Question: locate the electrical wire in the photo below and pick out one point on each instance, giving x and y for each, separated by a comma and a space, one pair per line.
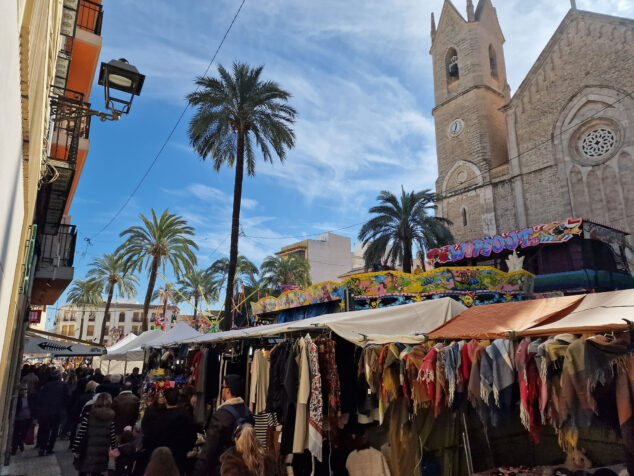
169, 136
298, 237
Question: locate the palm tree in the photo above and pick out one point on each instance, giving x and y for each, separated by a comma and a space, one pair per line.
197, 284
245, 270
232, 110
400, 224
109, 271
293, 270
158, 242
85, 292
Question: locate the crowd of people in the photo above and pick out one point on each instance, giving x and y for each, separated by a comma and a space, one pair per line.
111, 432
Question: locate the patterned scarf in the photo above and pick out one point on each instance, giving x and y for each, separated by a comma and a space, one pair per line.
577, 405
440, 402
525, 364
390, 384
330, 383
452, 370
418, 389
501, 354
315, 404
427, 373
552, 367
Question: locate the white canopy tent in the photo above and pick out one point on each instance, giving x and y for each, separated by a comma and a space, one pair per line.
133, 350
178, 334
100, 363
407, 324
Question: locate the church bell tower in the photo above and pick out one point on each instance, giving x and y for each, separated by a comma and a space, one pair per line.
469, 88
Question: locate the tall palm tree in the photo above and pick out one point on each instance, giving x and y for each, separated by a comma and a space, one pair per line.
109, 271
238, 112
83, 293
245, 270
158, 242
401, 224
197, 284
293, 269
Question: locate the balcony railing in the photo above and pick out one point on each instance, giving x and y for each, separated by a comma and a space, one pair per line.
90, 16
57, 250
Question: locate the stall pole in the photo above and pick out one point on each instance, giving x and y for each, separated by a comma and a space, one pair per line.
467, 444
108, 371
125, 367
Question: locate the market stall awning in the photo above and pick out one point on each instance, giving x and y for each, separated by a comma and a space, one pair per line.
176, 335
132, 350
39, 345
600, 312
492, 321
126, 340
407, 324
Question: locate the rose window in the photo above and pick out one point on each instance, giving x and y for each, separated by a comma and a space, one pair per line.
598, 143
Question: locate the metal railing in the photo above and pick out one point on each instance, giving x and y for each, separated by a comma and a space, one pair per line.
90, 16
57, 250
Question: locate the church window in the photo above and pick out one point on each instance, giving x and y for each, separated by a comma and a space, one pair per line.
464, 217
597, 143
493, 62
451, 62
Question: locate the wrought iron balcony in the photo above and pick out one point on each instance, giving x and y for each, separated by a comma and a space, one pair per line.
54, 270
90, 16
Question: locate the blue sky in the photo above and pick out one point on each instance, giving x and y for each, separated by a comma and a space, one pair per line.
360, 75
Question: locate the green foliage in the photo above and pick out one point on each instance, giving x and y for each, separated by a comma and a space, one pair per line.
293, 269
246, 271
196, 284
110, 271
401, 224
85, 292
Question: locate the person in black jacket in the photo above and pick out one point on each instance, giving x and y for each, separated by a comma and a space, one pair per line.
52, 400
175, 429
219, 435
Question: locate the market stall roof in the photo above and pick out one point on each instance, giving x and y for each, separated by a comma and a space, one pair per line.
600, 312
126, 340
406, 323
39, 345
132, 350
492, 321
176, 335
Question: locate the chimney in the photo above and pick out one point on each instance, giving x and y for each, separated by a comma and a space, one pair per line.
433, 26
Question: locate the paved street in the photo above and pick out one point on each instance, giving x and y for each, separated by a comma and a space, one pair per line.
30, 464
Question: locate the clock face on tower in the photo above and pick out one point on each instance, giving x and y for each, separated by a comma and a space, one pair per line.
456, 127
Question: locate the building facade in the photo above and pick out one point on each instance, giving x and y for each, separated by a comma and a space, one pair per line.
329, 256
49, 56
560, 146
124, 317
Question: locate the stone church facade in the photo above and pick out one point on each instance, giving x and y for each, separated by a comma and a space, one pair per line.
561, 146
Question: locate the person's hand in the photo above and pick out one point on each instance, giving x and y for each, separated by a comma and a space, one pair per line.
114, 453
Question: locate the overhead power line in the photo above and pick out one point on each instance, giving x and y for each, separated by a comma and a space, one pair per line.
169, 136
299, 237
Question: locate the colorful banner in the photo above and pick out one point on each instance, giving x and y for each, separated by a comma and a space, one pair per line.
393, 283
557, 232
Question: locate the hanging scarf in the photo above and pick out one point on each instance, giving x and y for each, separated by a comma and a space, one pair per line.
624, 399
418, 389
577, 405
468, 354
500, 353
330, 383
529, 382
452, 370
552, 367
315, 404
474, 388
427, 373
390, 384
440, 402
602, 359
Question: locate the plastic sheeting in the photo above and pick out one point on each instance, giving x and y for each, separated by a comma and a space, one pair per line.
600, 312
492, 321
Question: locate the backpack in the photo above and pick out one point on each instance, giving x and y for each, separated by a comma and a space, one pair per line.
239, 419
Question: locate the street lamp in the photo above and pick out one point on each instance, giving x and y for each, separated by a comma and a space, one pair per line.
115, 75
121, 76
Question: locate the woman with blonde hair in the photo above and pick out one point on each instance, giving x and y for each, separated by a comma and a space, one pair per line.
248, 457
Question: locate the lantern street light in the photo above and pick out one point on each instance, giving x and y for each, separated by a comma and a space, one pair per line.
115, 76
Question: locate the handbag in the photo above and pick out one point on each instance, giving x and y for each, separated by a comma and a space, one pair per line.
29, 438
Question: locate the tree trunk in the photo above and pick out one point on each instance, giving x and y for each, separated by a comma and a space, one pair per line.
225, 323
150, 290
81, 326
407, 257
195, 312
102, 334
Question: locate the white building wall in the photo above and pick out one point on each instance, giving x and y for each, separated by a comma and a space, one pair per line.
329, 256
11, 172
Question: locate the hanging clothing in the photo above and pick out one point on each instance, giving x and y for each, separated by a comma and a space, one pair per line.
300, 439
260, 369
427, 373
316, 404
577, 404
289, 399
417, 389
624, 399
390, 382
330, 385
368, 462
529, 383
